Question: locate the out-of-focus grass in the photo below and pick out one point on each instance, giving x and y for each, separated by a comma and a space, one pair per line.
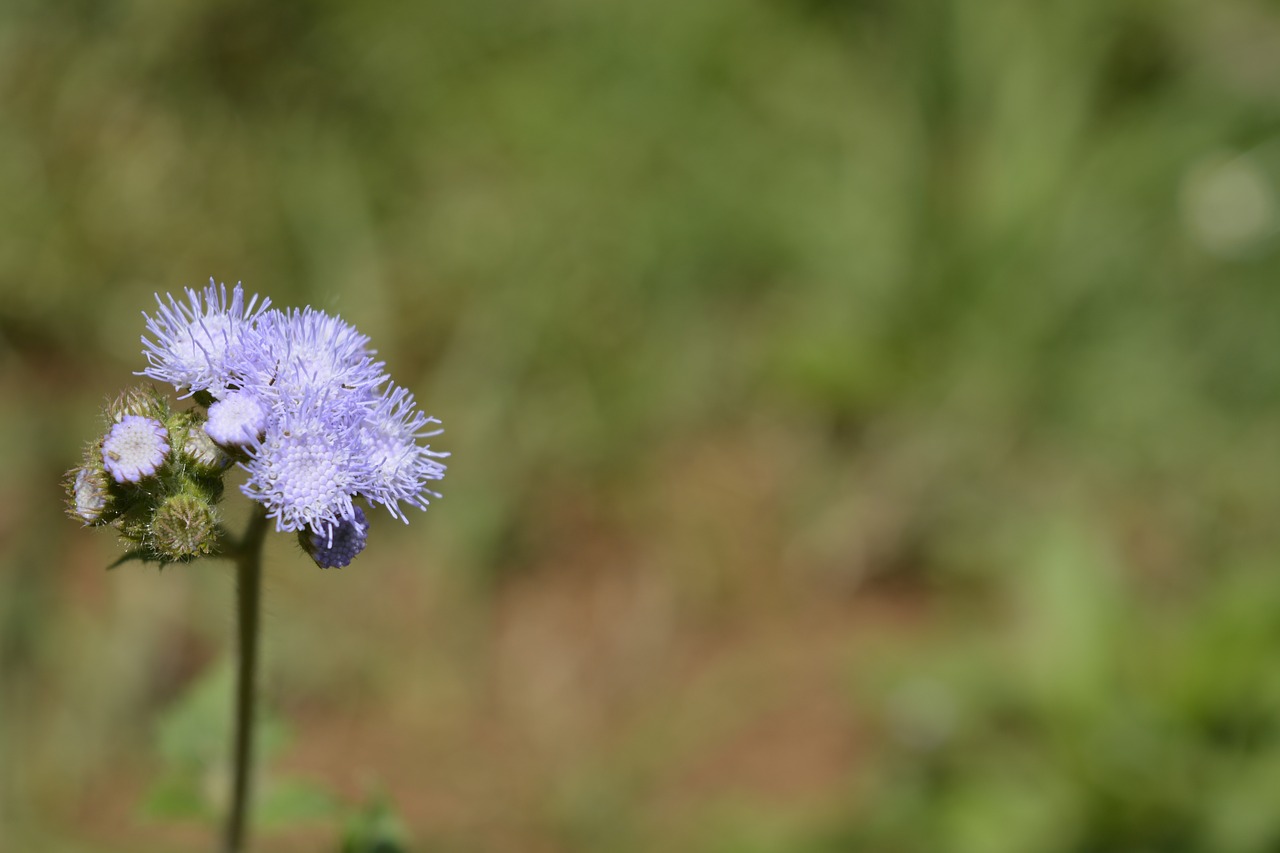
815, 371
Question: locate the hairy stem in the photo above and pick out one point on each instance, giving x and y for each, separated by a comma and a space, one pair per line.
248, 557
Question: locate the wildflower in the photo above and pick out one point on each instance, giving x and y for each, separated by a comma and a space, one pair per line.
237, 420
298, 400
337, 548
306, 468
200, 345
309, 350
301, 399
398, 466
135, 448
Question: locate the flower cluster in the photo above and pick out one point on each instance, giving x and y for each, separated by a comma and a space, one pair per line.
296, 397
298, 394
155, 476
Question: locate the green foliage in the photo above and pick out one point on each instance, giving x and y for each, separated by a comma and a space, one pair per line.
375, 828
977, 298
194, 747
286, 802
1083, 724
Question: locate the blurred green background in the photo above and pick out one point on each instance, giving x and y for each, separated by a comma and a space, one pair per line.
864, 418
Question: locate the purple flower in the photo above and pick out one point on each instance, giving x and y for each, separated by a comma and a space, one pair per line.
306, 468
201, 345
135, 448
238, 419
342, 543
399, 468
301, 393
308, 350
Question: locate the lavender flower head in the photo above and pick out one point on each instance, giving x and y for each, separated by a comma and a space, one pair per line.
135, 448
199, 345
315, 418
238, 419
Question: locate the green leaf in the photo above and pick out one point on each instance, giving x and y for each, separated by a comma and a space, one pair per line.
195, 732
177, 796
375, 829
295, 801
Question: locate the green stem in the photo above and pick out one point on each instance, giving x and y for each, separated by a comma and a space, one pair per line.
248, 556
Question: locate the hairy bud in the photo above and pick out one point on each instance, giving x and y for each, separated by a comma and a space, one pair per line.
141, 400
88, 495
184, 526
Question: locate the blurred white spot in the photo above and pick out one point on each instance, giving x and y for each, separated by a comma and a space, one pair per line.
1228, 203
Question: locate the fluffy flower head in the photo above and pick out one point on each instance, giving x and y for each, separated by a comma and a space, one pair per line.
308, 350
399, 467
305, 468
200, 344
238, 419
315, 418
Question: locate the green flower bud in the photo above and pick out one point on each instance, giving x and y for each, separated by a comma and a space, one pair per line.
142, 400
184, 526
91, 493
199, 452
88, 495
155, 476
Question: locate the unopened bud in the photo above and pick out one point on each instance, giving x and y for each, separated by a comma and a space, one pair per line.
88, 494
337, 545
208, 458
184, 526
141, 400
